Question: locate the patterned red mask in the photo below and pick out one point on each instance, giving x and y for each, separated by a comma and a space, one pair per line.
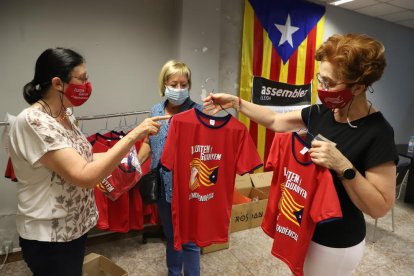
335, 99
78, 94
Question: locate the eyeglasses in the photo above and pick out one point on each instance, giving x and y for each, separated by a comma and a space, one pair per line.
83, 79
327, 83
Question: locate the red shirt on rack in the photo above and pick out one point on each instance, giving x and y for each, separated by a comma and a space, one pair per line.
126, 212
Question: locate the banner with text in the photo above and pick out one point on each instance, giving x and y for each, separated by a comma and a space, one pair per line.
281, 97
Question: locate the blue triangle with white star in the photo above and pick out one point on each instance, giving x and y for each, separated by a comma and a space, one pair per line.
298, 215
287, 22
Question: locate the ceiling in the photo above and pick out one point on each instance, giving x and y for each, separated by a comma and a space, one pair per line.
397, 11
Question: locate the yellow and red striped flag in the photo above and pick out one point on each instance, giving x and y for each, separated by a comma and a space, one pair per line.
279, 42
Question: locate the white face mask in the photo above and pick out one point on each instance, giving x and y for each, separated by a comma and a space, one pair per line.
176, 96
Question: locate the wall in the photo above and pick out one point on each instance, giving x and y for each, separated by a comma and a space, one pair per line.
393, 93
126, 42
210, 43
199, 41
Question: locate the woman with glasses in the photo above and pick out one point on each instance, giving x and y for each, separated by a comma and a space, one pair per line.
55, 167
362, 159
174, 85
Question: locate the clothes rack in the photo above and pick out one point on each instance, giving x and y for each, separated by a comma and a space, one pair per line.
105, 116
102, 116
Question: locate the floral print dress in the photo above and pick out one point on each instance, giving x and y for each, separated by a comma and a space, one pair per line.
49, 207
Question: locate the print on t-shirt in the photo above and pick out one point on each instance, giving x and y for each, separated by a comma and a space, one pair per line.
201, 174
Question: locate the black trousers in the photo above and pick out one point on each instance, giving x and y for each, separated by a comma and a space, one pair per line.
54, 258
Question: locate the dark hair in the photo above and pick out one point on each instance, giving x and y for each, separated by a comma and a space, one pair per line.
56, 62
358, 58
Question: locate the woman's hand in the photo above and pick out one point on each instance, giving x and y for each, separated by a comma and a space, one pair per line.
212, 103
150, 126
373, 193
325, 154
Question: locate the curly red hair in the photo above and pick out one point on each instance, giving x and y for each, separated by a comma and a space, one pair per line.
357, 58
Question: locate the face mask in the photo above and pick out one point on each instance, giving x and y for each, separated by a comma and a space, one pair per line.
78, 94
176, 96
335, 99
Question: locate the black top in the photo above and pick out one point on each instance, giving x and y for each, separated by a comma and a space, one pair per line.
368, 145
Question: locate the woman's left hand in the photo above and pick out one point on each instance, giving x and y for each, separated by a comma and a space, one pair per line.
325, 154
373, 193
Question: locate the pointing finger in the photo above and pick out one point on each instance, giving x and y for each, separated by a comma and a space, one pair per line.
159, 118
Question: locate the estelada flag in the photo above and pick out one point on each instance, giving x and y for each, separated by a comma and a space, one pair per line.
279, 42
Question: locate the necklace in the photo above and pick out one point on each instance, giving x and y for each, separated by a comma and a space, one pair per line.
48, 111
60, 119
347, 113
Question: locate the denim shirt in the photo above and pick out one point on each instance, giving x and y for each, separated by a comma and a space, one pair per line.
157, 142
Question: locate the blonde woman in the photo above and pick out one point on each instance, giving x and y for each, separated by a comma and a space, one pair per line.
174, 85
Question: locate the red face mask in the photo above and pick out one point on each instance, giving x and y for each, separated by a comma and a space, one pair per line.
335, 99
78, 94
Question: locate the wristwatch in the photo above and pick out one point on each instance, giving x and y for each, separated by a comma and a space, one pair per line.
348, 173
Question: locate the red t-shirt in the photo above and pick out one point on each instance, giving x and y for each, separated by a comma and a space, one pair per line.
204, 154
123, 177
9, 173
126, 212
301, 195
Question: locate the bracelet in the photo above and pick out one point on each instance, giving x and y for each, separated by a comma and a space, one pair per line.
239, 105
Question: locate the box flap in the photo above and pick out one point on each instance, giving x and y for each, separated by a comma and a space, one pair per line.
90, 257
261, 179
110, 268
243, 181
214, 247
98, 265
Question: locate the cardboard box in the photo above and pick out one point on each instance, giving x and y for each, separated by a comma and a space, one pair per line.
98, 265
249, 215
214, 247
262, 181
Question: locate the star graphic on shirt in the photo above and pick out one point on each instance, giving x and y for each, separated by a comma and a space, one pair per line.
299, 215
287, 31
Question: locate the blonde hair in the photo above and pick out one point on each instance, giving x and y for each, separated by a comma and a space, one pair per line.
170, 68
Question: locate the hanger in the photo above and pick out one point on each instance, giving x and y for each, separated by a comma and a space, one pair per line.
134, 124
303, 130
225, 110
82, 130
306, 130
123, 126
104, 130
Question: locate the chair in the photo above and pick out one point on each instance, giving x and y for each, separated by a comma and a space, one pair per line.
402, 177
